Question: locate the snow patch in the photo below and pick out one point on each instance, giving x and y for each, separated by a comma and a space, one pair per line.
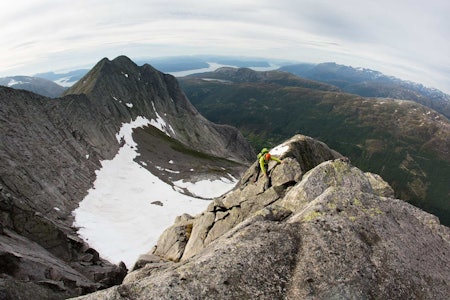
14, 82
117, 216
126, 131
208, 188
167, 170
161, 124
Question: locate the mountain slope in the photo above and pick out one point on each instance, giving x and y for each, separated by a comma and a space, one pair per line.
370, 83
36, 85
146, 91
323, 229
47, 166
51, 150
405, 142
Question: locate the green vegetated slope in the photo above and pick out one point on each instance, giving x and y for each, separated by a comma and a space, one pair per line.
406, 143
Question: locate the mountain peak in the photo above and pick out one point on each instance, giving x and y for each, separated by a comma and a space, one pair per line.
52, 150
122, 59
126, 91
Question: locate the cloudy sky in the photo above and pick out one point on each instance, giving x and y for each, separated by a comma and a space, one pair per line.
409, 39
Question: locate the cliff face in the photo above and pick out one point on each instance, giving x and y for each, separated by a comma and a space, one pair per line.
50, 150
319, 229
47, 165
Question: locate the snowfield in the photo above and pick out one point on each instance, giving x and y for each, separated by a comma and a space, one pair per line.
119, 216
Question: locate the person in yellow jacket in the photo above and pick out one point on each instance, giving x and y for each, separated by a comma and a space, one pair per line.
263, 160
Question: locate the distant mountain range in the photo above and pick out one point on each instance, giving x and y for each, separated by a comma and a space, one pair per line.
370, 83
38, 85
359, 81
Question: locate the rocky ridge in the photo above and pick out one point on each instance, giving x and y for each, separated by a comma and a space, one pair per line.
49, 153
319, 229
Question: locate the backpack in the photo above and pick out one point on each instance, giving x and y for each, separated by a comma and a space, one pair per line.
263, 151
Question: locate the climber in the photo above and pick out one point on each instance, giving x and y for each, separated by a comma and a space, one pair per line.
263, 160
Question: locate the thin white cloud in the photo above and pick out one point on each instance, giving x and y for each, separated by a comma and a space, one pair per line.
394, 37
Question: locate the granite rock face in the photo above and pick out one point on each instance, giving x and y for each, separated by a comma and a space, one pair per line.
47, 166
321, 229
50, 150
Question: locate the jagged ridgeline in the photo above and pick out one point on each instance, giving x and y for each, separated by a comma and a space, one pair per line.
321, 229
126, 91
50, 150
405, 142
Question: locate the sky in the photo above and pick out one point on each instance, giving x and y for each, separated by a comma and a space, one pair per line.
119, 217
408, 39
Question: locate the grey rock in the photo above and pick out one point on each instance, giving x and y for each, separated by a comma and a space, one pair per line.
335, 234
249, 197
172, 243
51, 148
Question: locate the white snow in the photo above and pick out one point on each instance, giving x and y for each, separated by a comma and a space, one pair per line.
14, 82
117, 217
130, 105
161, 124
208, 188
126, 130
167, 170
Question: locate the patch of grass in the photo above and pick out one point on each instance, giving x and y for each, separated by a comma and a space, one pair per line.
311, 216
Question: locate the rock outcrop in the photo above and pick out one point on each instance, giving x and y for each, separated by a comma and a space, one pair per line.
320, 229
